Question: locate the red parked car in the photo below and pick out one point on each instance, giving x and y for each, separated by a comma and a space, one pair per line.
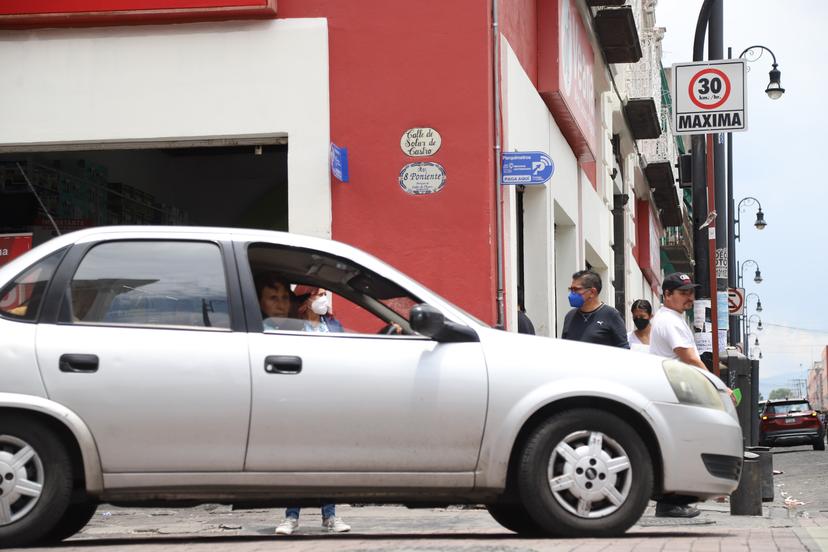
791, 422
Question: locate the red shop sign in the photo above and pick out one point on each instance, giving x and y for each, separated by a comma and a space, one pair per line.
27, 13
565, 71
13, 245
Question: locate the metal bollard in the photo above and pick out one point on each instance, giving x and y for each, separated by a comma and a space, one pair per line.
746, 500
766, 470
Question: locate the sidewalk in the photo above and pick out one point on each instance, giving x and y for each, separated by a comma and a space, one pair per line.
214, 528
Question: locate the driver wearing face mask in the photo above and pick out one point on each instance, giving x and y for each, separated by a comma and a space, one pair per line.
315, 310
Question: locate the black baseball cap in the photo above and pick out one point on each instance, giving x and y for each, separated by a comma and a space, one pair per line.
678, 280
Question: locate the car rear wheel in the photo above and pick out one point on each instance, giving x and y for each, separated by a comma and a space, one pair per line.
585, 473
514, 517
819, 444
35, 481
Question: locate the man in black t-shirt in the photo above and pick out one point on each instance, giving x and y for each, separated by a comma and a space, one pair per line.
591, 320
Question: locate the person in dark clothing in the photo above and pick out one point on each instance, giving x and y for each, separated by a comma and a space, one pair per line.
591, 320
525, 325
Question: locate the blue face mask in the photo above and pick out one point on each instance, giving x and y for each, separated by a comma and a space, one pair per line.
576, 300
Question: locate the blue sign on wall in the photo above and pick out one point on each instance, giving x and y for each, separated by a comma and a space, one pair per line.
339, 162
526, 167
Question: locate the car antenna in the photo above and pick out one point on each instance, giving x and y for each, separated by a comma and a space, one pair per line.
42, 206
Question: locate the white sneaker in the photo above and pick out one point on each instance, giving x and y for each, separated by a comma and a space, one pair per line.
335, 525
288, 526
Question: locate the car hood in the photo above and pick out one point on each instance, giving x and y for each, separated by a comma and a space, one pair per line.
571, 367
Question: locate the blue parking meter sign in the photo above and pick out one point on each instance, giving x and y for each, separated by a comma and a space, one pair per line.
339, 162
526, 167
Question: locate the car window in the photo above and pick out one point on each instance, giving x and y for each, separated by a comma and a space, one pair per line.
149, 283
362, 301
21, 299
788, 408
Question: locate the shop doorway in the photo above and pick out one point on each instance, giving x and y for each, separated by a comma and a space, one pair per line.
196, 184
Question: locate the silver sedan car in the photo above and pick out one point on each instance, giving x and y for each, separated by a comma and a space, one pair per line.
138, 366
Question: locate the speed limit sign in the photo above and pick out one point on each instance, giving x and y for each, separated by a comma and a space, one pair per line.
709, 97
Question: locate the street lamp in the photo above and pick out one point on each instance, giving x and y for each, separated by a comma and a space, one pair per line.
774, 91
760, 222
757, 276
758, 301
747, 332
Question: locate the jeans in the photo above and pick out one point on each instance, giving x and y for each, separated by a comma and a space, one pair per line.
328, 511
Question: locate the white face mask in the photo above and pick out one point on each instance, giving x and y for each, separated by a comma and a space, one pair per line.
320, 305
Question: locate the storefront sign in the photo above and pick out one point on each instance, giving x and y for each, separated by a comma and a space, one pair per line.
420, 142
339, 163
526, 167
42, 13
13, 245
422, 178
565, 73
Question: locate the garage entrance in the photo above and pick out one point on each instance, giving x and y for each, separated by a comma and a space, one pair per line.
198, 184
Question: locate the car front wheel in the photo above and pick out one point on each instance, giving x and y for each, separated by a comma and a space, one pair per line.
514, 517
585, 473
35, 481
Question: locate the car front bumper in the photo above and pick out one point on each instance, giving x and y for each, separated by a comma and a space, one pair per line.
701, 449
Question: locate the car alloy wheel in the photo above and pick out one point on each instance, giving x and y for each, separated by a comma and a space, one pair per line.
35, 479
589, 474
21, 479
584, 472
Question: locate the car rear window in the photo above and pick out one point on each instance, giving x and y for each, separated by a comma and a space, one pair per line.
150, 283
788, 408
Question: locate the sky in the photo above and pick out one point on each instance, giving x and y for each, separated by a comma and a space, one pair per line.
778, 161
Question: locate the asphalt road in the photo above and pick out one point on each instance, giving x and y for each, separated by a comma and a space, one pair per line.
804, 478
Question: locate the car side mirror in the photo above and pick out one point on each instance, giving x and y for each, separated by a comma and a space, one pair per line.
430, 322
426, 320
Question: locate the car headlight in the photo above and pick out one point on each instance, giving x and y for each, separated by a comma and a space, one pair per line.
691, 386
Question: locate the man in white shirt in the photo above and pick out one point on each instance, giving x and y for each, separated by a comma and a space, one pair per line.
672, 337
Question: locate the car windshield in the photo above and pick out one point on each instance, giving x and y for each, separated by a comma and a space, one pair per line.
789, 408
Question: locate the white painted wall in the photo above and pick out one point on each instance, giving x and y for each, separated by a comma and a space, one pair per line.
178, 82
529, 126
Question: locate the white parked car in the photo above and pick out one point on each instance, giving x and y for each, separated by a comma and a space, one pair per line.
135, 369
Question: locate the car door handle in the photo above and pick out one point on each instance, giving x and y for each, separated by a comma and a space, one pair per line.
78, 363
282, 364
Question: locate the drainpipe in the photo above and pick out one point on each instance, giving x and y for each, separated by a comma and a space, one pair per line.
501, 307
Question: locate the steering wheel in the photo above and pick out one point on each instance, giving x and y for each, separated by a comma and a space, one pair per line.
390, 330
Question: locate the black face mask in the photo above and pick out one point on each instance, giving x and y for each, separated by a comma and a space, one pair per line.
641, 323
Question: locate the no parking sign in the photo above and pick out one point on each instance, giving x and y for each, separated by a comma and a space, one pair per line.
709, 97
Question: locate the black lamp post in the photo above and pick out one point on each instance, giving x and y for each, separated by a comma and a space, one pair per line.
774, 91
758, 301
760, 222
748, 321
757, 276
